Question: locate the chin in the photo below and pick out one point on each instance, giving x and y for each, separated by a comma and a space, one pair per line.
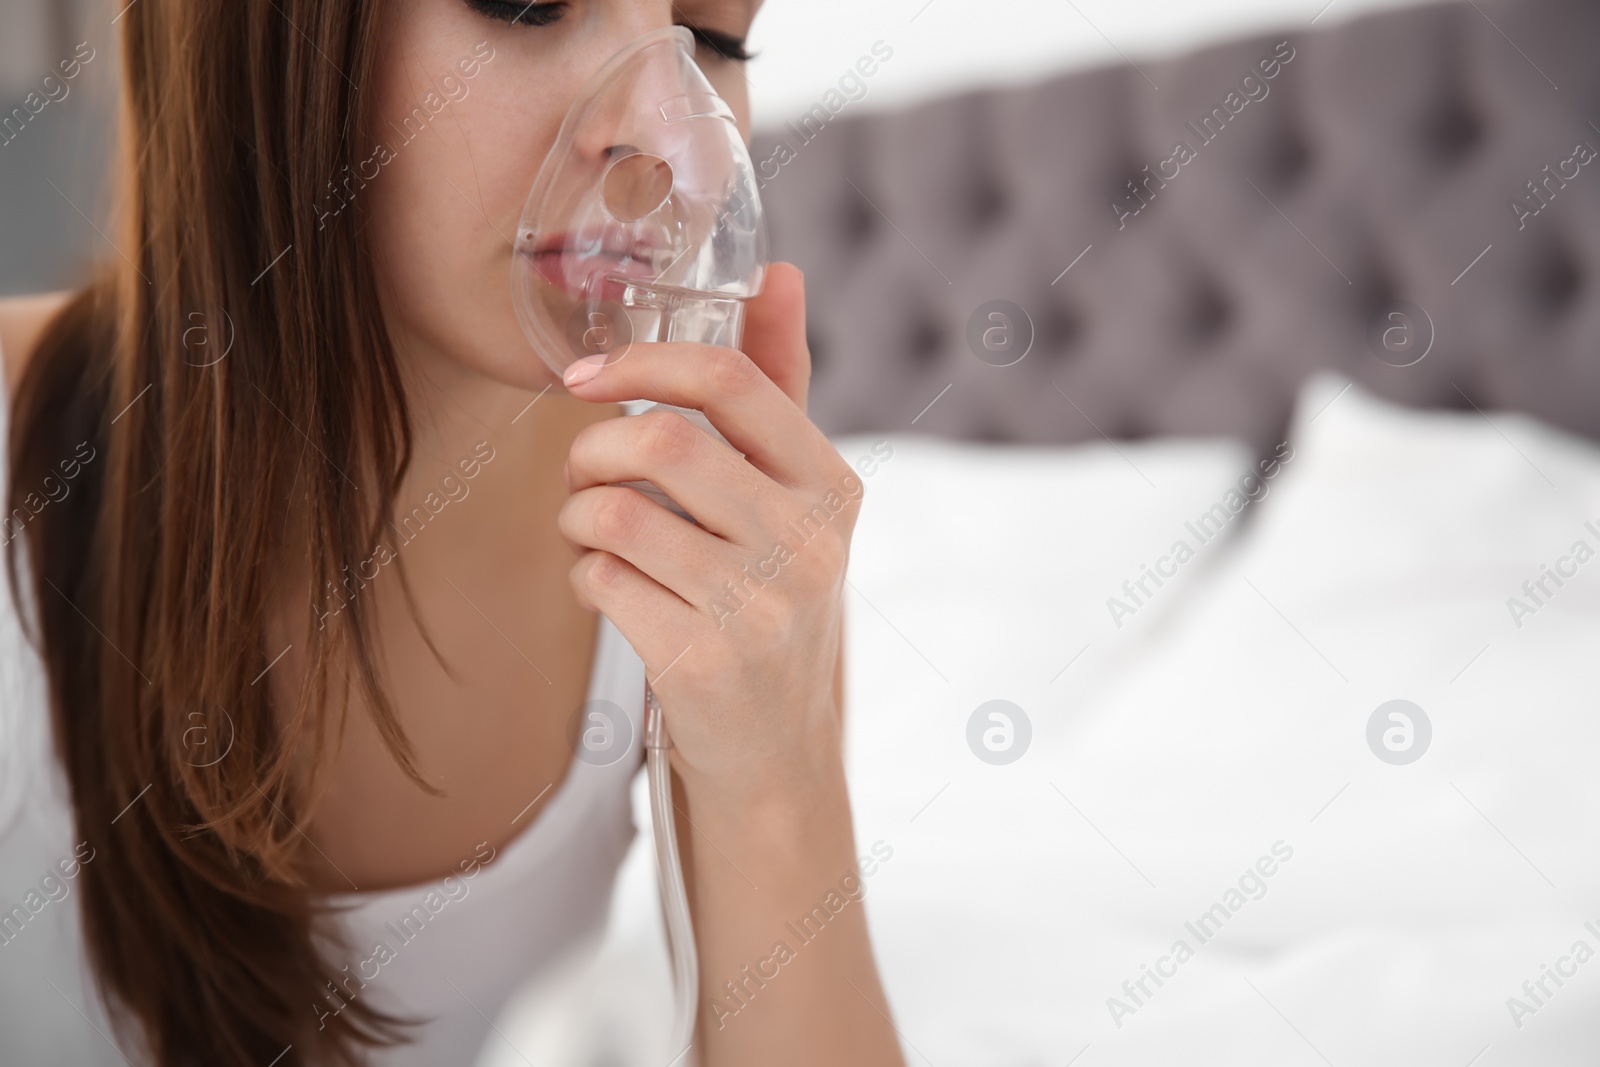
515, 363
490, 346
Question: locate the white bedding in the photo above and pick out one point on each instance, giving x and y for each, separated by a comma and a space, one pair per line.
1226, 718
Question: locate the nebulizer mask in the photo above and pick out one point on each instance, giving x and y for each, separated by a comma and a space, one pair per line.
644, 224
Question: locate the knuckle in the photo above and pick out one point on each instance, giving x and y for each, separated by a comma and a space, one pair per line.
700, 671
823, 569
669, 437
770, 616
733, 373
618, 517
599, 571
833, 554
586, 443
567, 519
578, 580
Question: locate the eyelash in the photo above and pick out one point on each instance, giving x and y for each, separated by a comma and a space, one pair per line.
513, 12
519, 11
725, 45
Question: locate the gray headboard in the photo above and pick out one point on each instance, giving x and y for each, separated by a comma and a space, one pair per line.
1380, 165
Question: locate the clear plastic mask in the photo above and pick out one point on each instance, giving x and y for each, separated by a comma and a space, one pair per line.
644, 223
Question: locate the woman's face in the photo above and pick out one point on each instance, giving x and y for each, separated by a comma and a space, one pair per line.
468, 103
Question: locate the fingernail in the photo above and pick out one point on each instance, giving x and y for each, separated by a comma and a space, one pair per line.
584, 370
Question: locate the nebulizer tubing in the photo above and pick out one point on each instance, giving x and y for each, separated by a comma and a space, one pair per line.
669, 874
644, 223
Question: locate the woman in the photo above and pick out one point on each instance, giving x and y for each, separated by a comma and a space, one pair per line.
313, 643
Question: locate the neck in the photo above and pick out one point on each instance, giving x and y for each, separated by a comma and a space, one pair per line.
494, 455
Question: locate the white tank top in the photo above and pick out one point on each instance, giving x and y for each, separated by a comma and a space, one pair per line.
450, 952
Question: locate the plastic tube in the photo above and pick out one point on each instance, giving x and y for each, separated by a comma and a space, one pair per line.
669, 873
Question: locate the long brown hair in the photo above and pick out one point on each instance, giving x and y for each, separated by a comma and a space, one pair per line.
152, 578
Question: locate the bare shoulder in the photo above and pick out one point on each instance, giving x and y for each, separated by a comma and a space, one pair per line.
22, 320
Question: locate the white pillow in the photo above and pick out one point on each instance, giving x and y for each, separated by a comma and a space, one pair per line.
1178, 753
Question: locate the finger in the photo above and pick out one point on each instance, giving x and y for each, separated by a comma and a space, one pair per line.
775, 332
746, 406
704, 476
656, 622
672, 551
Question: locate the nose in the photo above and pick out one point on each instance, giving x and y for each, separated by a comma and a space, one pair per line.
627, 109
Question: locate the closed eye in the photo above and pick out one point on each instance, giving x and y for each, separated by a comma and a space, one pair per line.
521, 12
724, 45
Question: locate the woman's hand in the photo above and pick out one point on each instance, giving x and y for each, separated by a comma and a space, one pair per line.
738, 618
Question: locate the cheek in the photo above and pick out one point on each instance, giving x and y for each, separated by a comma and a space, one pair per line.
444, 212
443, 209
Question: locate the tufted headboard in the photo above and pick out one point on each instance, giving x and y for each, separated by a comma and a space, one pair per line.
1375, 174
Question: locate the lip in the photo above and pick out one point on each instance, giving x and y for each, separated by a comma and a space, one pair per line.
585, 277
611, 239
584, 265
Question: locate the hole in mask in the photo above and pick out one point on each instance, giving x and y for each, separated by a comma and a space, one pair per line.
636, 186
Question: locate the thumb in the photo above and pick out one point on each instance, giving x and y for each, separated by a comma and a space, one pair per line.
775, 331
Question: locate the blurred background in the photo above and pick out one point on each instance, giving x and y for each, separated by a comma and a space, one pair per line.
44, 241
